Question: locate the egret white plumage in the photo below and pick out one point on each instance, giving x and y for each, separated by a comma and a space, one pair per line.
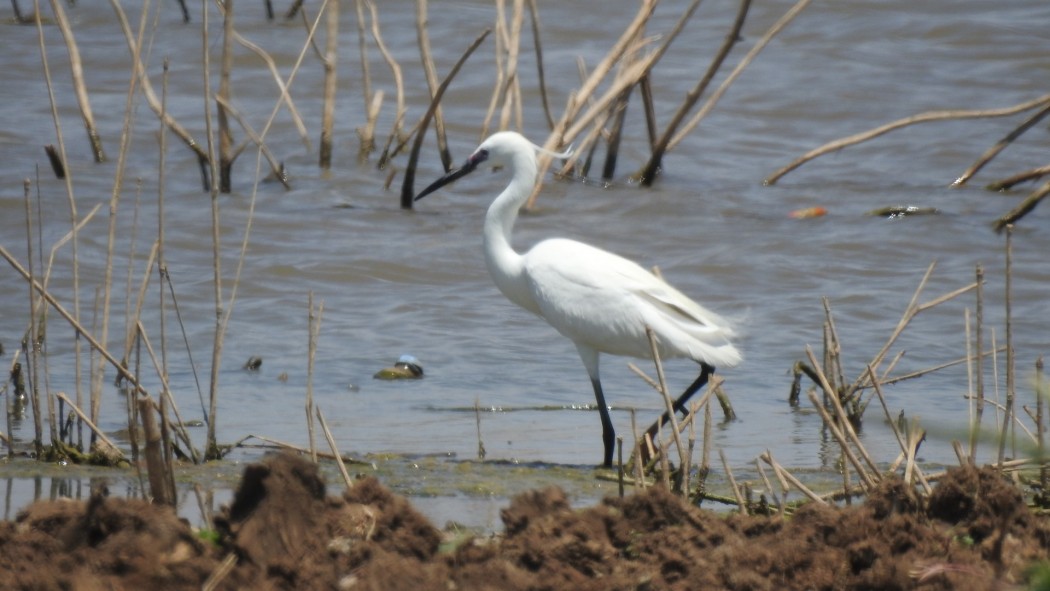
602, 302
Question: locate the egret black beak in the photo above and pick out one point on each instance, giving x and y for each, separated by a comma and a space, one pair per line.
468, 167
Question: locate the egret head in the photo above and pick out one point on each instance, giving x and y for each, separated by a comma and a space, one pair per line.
499, 150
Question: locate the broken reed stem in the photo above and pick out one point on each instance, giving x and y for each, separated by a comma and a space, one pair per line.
978, 345
161, 264
888, 127
1001, 145
220, 572
226, 156
166, 395
636, 453
395, 69
1022, 209
335, 450
665, 394
430, 72
367, 132
578, 98
87, 421
1008, 305
331, 58
648, 173
285, 98
847, 426
619, 464
155, 466
30, 343
732, 482
787, 478
1021, 177
1040, 429
311, 345
896, 432
79, 88
769, 487
477, 422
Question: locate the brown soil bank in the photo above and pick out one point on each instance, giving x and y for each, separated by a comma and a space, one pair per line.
283, 532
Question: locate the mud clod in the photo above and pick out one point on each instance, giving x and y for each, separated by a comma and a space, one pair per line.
974, 532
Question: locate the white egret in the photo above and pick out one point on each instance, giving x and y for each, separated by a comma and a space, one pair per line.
600, 301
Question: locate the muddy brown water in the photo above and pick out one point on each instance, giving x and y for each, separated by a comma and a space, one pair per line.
394, 282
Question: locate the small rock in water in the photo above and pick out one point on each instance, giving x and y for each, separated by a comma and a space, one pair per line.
407, 367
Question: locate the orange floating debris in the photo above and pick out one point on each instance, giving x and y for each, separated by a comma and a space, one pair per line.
807, 212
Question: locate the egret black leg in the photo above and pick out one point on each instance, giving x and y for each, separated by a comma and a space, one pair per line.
608, 433
705, 373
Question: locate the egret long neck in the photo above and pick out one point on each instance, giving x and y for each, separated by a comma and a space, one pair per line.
504, 263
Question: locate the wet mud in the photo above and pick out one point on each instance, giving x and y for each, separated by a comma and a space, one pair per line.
284, 531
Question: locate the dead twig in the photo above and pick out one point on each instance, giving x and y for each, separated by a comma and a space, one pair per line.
906, 121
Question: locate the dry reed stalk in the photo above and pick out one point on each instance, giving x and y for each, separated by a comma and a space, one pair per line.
211, 448
226, 156
509, 91
769, 487
1021, 177
155, 466
371, 101
95, 344
331, 58
1008, 306
87, 421
912, 310
227, 564
893, 425
538, 45
668, 403
399, 116
31, 344
786, 478
1022, 209
432, 81
500, 74
166, 398
407, 186
335, 450
847, 425
477, 424
979, 344
162, 265
79, 88
1001, 145
648, 172
732, 482
636, 454
916, 436
114, 201
576, 100
313, 328
285, 98
10, 401
847, 451
893, 125
619, 464
687, 462
1044, 469
203, 157
276, 168
744, 62
31, 360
